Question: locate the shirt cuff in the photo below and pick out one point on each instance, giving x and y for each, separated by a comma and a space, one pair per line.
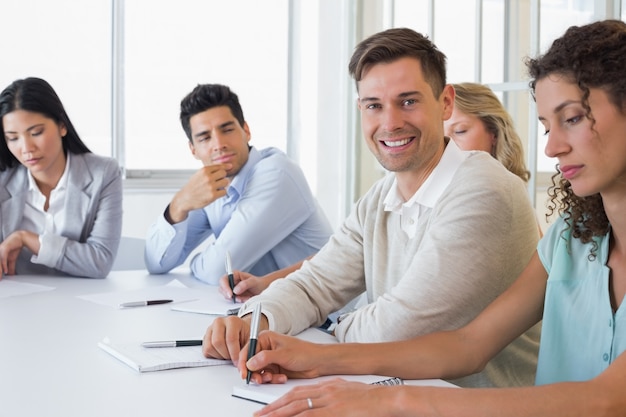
50, 250
248, 309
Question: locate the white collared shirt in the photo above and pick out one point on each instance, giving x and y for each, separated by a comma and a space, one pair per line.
430, 191
49, 222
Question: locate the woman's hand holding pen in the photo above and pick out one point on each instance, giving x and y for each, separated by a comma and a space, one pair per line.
246, 286
280, 357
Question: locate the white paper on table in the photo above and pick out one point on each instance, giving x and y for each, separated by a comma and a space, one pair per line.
10, 288
212, 302
174, 290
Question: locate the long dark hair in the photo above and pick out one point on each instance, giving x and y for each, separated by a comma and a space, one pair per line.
36, 95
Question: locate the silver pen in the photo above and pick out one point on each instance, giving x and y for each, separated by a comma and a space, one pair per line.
144, 303
172, 343
254, 332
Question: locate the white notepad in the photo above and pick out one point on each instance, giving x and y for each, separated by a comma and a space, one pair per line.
267, 393
157, 359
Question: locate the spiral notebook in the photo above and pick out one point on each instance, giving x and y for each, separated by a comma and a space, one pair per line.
144, 359
267, 393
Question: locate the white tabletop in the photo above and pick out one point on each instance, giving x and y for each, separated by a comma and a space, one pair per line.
51, 365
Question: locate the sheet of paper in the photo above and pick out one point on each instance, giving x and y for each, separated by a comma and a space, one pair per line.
10, 288
211, 302
158, 359
267, 393
174, 290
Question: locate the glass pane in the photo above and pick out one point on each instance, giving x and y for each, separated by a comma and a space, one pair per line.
411, 14
492, 65
455, 34
558, 15
169, 50
67, 43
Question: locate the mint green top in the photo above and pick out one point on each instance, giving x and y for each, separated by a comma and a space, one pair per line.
581, 336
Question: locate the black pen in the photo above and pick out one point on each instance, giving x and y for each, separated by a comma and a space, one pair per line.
144, 303
231, 277
254, 333
172, 343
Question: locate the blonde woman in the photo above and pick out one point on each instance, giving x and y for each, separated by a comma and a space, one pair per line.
479, 121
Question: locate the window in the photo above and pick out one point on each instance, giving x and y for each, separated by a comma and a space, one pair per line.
167, 49
487, 40
67, 43
170, 47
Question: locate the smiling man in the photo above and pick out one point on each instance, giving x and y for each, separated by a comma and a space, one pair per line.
255, 203
431, 244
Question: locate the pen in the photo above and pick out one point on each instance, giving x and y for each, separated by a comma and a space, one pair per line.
232, 311
254, 332
144, 303
231, 277
173, 343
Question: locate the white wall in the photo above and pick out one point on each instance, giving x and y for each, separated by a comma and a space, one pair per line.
141, 209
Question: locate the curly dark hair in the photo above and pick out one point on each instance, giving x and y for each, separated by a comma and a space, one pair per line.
592, 56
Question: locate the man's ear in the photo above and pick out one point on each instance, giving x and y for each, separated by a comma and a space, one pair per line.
447, 101
246, 129
192, 149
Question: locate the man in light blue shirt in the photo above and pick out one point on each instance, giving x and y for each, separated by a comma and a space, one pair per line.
256, 203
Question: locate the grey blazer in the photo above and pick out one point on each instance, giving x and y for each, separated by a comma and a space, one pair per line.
93, 222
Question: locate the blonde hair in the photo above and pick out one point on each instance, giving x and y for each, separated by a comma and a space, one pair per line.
478, 100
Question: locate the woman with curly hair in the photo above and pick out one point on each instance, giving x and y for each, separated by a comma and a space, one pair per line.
575, 282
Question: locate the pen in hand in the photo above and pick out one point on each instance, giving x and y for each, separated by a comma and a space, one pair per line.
254, 332
231, 277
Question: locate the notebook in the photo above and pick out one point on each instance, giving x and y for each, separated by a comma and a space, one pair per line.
267, 393
210, 302
144, 359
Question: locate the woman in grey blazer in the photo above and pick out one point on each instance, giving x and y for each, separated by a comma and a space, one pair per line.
60, 205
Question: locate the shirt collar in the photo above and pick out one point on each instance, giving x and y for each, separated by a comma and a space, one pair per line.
238, 182
61, 185
436, 183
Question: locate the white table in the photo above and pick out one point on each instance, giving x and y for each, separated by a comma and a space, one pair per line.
51, 365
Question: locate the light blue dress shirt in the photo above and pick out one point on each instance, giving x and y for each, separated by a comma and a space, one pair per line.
268, 220
581, 336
